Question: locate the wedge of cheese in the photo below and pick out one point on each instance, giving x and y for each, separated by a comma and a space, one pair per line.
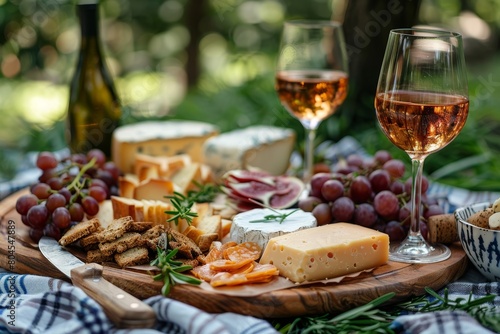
159, 138
262, 147
327, 251
252, 226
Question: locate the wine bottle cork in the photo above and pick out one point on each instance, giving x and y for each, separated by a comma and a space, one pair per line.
442, 229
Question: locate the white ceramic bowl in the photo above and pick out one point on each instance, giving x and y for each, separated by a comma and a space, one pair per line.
481, 245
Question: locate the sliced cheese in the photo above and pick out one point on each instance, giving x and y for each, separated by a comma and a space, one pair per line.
263, 147
327, 251
159, 138
154, 189
248, 225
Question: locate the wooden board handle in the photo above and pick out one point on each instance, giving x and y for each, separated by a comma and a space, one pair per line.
124, 310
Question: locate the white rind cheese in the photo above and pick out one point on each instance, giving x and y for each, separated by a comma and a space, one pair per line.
160, 138
327, 251
264, 147
243, 229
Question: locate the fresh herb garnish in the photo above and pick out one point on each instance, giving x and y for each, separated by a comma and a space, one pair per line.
183, 204
171, 270
183, 207
371, 318
204, 194
277, 217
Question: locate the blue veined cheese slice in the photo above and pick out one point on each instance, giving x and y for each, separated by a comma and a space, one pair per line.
327, 251
264, 147
160, 138
248, 225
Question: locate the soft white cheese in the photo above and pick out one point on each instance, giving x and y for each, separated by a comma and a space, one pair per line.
244, 228
264, 147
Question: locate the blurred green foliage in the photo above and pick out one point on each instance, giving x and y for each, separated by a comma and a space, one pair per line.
150, 46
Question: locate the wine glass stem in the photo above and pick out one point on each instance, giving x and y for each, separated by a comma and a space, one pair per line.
417, 165
309, 153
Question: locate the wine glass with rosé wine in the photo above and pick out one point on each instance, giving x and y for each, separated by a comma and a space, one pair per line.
311, 76
422, 105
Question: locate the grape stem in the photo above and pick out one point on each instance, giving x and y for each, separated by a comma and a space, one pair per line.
76, 184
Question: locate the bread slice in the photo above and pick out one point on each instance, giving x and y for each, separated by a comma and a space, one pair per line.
145, 164
122, 207
79, 231
132, 257
174, 164
211, 225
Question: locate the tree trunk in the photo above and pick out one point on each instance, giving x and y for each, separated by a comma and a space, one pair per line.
194, 14
367, 24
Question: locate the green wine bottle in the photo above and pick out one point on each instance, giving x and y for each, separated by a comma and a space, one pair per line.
94, 107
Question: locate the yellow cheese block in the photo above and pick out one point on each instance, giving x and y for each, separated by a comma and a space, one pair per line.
327, 251
166, 138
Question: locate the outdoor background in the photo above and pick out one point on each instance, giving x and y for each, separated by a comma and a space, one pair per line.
213, 61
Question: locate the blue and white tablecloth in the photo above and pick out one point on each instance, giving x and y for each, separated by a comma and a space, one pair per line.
36, 304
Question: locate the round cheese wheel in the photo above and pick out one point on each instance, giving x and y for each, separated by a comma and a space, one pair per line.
249, 225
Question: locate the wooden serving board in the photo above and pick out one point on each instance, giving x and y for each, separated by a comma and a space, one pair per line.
406, 280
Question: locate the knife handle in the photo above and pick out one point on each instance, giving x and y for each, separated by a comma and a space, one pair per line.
123, 309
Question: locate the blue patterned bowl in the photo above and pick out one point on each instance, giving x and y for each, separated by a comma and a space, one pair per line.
481, 245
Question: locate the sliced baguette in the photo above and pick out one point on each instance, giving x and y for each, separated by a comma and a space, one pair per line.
154, 189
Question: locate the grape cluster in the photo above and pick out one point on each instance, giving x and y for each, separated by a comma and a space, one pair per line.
369, 192
69, 190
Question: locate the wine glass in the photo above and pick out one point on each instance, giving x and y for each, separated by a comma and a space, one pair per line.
311, 76
422, 104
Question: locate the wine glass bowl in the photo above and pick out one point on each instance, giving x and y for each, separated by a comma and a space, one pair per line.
422, 105
311, 75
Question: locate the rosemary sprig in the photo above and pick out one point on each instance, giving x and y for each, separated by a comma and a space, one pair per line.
171, 270
205, 193
183, 206
371, 318
280, 217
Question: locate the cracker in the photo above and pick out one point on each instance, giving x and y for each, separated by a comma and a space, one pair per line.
95, 255
126, 241
79, 231
132, 257
152, 236
140, 226
116, 229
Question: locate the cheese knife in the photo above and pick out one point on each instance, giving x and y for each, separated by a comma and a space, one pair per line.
123, 309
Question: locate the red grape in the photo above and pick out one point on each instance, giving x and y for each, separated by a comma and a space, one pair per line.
396, 168
355, 160
332, 189
433, 210
25, 202
343, 209
360, 190
46, 161
61, 218
307, 204
365, 215
317, 181
76, 212
397, 187
37, 216
111, 167
79, 158
55, 183
395, 231
380, 180
386, 204
55, 201
41, 190
98, 155
66, 193
90, 206
322, 213
52, 231
382, 156
35, 235
98, 193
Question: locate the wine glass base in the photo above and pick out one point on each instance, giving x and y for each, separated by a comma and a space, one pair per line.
418, 252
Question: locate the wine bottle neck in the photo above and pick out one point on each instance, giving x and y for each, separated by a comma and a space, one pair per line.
88, 14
